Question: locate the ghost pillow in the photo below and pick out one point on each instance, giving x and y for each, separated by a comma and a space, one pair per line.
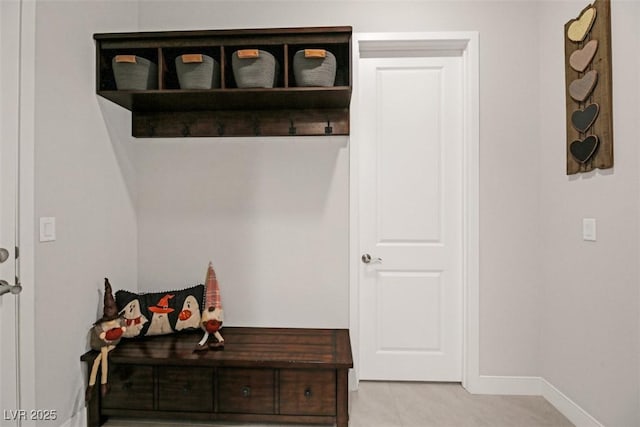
160, 313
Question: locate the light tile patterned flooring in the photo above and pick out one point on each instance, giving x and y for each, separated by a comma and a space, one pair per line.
400, 404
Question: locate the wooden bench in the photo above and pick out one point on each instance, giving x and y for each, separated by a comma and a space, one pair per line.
262, 375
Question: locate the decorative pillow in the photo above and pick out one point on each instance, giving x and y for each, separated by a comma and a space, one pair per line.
160, 313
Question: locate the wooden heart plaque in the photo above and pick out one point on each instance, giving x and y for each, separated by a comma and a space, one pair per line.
581, 26
583, 119
582, 150
581, 58
581, 88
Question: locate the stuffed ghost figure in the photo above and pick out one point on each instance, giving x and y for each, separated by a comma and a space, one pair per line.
105, 335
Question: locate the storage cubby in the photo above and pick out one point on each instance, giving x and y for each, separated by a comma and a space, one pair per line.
283, 110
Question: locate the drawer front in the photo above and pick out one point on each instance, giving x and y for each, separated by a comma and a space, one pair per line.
185, 389
131, 387
307, 392
249, 391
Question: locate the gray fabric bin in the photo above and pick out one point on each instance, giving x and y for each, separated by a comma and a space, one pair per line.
193, 74
314, 71
260, 72
139, 75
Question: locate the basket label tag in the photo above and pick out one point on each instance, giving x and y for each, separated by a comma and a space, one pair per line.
192, 57
248, 53
126, 58
315, 53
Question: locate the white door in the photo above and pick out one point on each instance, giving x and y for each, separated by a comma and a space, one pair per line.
410, 213
9, 300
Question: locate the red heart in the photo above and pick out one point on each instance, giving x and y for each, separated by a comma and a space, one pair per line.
113, 334
212, 326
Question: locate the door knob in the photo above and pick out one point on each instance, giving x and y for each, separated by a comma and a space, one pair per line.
5, 288
367, 259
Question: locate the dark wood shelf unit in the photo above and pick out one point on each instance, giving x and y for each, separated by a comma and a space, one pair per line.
284, 109
276, 375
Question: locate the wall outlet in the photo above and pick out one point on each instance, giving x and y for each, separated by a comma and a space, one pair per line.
47, 229
589, 229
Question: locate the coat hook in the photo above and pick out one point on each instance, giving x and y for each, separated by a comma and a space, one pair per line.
328, 130
186, 131
292, 128
220, 129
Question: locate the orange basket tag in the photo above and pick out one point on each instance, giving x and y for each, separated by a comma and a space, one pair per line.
248, 53
126, 58
315, 53
191, 58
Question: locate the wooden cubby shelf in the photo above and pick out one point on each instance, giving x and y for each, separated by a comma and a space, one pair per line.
284, 110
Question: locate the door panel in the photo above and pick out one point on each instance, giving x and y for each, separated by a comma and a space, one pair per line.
411, 218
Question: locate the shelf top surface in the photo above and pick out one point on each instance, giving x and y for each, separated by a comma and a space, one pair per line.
265, 347
223, 33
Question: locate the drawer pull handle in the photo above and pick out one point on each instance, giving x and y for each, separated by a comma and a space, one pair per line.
246, 391
308, 393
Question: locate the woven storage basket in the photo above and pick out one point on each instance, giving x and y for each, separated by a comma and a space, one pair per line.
261, 71
134, 73
314, 71
197, 72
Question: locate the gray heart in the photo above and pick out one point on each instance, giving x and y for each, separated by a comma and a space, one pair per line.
580, 89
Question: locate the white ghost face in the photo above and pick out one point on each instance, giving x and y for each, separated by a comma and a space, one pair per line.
189, 316
133, 318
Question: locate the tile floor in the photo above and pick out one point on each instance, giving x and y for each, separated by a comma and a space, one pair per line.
398, 404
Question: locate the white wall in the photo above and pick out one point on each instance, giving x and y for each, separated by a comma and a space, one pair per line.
272, 215
173, 247
81, 181
590, 310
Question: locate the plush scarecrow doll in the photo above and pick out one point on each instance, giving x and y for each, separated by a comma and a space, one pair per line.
212, 315
105, 335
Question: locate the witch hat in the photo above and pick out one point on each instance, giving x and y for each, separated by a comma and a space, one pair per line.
110, 310
212, 290
163, 305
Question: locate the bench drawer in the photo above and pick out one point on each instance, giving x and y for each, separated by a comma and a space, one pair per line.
249, 391
185, 389
307, 392
131, 387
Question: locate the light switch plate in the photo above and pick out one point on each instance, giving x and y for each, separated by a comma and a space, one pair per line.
47, 229
589, 229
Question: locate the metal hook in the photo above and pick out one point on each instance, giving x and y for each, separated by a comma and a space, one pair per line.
186, 131
292, 128
220, 129
328, 130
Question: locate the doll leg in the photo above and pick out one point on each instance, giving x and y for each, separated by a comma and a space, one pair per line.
202, 345
94, 370
92, 378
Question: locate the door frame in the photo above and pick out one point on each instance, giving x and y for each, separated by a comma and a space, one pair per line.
466, 45
25, 25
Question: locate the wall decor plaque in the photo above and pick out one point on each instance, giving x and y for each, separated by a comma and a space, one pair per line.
588, 83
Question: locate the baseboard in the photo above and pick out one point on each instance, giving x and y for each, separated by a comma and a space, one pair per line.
519, 386
535, 386
567, 407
